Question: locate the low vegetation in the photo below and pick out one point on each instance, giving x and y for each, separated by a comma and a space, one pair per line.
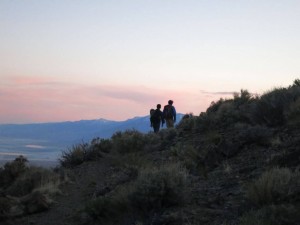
275, 195
26, 189
275, 186
154, 191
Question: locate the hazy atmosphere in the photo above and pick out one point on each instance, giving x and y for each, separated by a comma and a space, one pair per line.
73, 60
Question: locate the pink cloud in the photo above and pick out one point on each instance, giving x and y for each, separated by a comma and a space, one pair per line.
25, 80
18, 80
30, 100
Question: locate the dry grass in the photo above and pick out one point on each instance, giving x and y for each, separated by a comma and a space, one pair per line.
274, 186
227, 168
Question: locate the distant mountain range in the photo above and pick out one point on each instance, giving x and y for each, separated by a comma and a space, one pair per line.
52, 138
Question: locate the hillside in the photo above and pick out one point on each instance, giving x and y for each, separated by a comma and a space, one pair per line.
236, 164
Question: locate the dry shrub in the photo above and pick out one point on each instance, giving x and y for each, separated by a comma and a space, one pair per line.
152, 142
167, 136
29, 188
272, 215
73, 156
101, 145
159, 188
12, 170
293, 115
35, 178
187, 122
154, 190
274, 186
278, 106
83, 152
257, 134
128, 141
255, 218
190, 157
49, 182
213, 137
108, 209
134, 160
5, 205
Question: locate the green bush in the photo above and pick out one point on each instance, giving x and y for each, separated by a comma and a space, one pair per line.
225, 113
257, 134
214, 106
108, 209
133, 160
101, 145
205, 122
153, 142
12, 170
167, 136
97, 148
187, 122
277, 106
154, 190
296, 83
159, 188
242, 98
270, 108
128, 141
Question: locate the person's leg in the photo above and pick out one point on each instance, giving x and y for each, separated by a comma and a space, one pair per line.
170, 123
156, 127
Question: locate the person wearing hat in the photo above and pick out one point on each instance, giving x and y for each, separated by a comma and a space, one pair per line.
169, 114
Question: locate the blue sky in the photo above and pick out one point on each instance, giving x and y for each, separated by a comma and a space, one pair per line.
72, 60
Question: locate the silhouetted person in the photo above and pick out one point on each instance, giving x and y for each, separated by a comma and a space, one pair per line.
169, 114
157, 118
151, 114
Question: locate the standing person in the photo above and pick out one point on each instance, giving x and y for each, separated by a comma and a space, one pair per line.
157, 118
169, 114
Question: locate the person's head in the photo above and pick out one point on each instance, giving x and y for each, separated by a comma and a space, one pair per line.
158, 106
170, 102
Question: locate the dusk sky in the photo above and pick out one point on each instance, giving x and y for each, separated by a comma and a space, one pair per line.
67, 60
